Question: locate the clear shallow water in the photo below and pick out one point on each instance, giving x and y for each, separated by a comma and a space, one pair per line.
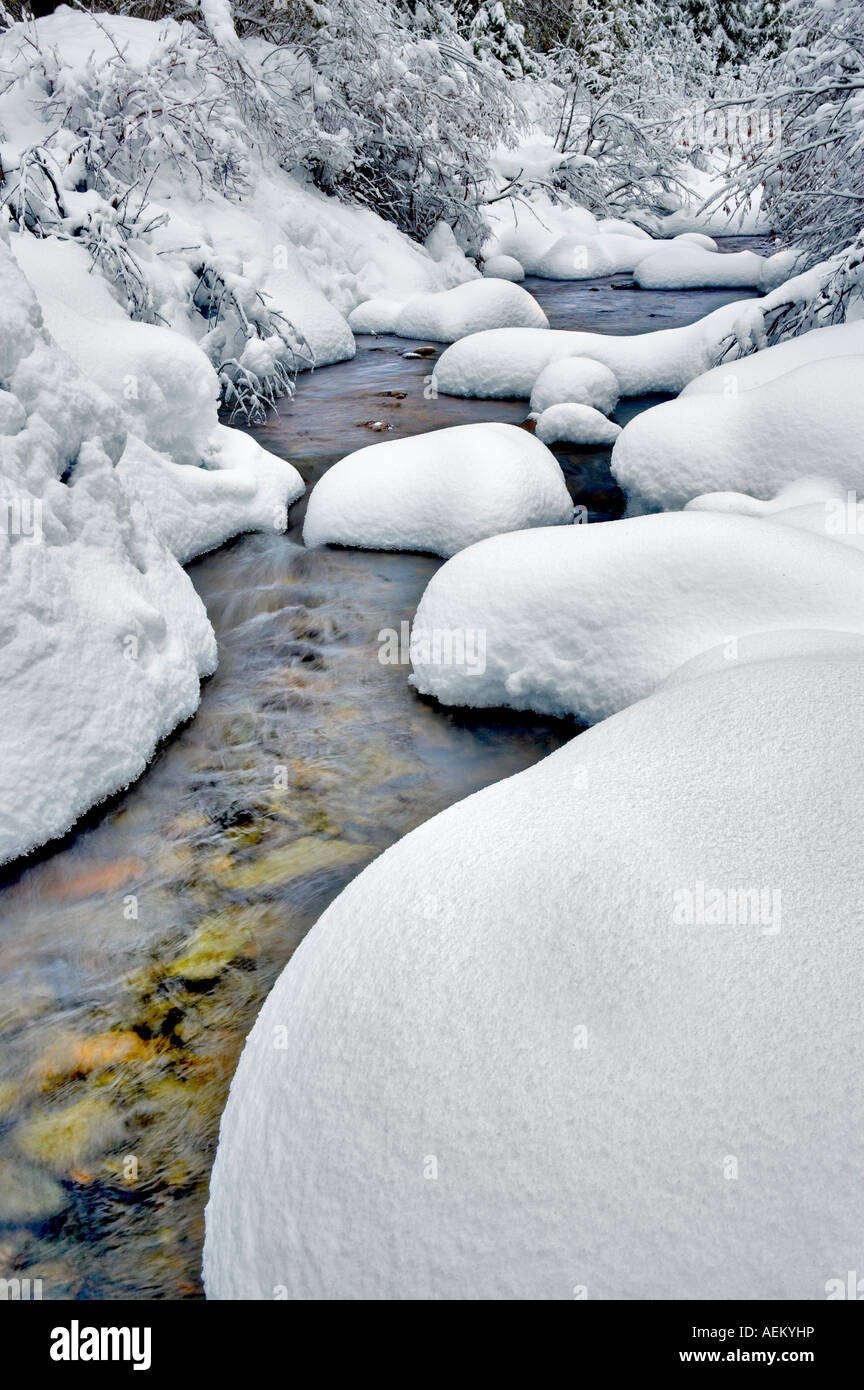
134, 955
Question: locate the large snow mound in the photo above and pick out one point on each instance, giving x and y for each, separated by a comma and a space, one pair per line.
506, 362
754, 442
451, 314
439, 491
659, 928
742, 374
587, 619
103, 636
577, 381
683, 265
202, 482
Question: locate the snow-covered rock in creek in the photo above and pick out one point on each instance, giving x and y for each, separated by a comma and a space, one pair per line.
586, 619
693, 239
742, 374
202, 482
375, 316
577, 257
810, 504
504, 268
576, 380
481, 304
439, 492
649, 926
103, 638
506, 362
575, 424
449, 315
568, 243
689, 267
754, 442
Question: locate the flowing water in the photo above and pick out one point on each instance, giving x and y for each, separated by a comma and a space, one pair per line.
135, 953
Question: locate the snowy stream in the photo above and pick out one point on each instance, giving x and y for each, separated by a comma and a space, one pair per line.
135, 954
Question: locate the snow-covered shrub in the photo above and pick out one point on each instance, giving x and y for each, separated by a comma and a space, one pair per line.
123, 126
811, 174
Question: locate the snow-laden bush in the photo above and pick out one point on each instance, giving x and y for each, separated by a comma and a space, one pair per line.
811, 172
123, 128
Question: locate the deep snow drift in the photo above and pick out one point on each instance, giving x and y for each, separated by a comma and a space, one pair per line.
439, 491
584, 620
568, 1039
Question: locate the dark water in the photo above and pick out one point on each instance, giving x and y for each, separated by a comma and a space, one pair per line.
134, 956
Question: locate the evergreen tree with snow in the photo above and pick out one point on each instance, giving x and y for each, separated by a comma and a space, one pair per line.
494, 34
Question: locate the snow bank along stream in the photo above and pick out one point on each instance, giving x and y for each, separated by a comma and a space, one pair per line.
135, 955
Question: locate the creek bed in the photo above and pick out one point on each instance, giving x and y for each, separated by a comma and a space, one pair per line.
135, 954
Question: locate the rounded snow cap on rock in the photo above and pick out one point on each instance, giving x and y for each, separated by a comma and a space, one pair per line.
570, 1035
471, 308
579, 380
575, 424
439, 492
503, 268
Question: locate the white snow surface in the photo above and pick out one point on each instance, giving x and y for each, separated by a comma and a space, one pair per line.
103, 636
504, 268
201, 482
439, 491
754, 442
651, 926
576, 380
575, 424
448, 315
742, 374
587, 619
507, 361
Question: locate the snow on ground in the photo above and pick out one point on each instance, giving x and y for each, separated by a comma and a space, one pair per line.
449, 315
755, 442
742, 374
439, 491
201, 481
646, 927
312, 257
506, 362
577, 381
575, 424
103, 637
587, 619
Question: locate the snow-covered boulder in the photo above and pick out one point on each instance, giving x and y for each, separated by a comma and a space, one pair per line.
575, 424
576, 380
707, 243
470, 308
375, 316
577, 257
587, 619
594, 1032
685, 266
504, 268
439, 491
506, 362
103, 636
742, 374
809, 418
